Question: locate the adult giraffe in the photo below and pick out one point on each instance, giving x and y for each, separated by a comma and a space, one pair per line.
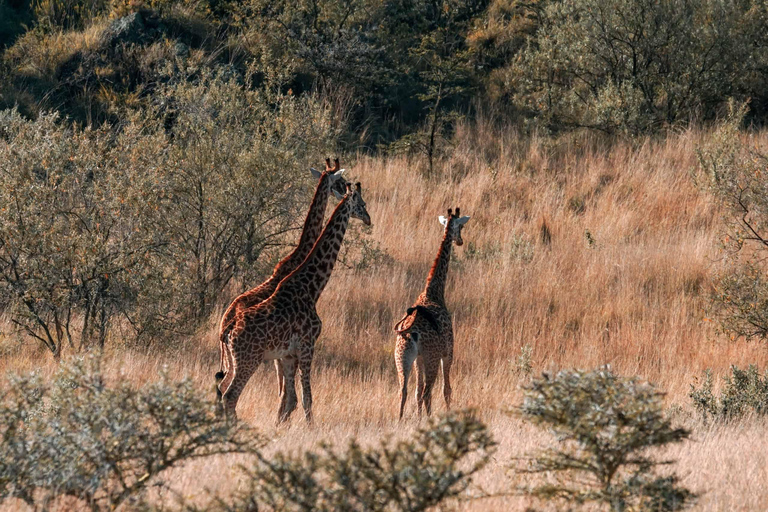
329, 180
285, 326
425, 334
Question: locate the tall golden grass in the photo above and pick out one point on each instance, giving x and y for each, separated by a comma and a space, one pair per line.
588, 251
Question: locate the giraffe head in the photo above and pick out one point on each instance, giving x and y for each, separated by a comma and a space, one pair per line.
453, 224
338, 184
355, 198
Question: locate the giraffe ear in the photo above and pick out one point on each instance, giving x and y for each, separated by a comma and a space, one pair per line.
338, 174
315, 172
338, 196
462, 220
443, 220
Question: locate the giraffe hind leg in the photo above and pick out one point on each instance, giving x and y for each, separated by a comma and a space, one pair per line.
447, 362
405, 355
430, 376
419, 383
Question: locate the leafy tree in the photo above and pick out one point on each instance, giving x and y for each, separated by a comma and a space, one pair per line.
735, 173
442, 60
148, 224
605, 424
637, 65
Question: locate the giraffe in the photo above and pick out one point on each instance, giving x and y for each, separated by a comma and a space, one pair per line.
286, 325
425, 333
329, 180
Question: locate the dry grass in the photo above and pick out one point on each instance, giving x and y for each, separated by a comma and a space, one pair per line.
632, 293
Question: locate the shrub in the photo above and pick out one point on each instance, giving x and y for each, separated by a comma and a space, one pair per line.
605, 424
79, 440
637, 65
143, 227
735, 174
437, 464
745, 392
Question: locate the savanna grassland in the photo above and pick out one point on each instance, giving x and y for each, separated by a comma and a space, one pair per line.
611, 154
587, 252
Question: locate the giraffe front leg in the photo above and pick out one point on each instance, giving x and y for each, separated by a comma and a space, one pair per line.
405, 355
305, 366
240, 377
280, 380
223, 377
288, 400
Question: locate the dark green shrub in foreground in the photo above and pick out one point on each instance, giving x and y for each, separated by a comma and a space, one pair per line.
98, 446
436, 464
745, 392
604, 424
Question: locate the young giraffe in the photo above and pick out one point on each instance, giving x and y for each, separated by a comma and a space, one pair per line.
425, 334
286, 325
329, 180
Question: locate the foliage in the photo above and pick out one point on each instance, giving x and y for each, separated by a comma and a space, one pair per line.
605, 424
637, 65
743, 393
443, 61
78, 438
437, 464
70, 237
735, 174
150, 223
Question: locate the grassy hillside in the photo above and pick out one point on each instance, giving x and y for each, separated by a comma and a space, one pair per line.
622, 277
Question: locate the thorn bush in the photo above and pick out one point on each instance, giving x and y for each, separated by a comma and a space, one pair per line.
605, 425
77, 440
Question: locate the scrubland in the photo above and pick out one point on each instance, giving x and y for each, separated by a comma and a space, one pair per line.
580, 252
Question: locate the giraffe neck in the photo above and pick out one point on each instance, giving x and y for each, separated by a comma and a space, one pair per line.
313, 225
313, 274
435, 288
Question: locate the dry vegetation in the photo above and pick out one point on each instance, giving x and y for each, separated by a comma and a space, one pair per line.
589, 252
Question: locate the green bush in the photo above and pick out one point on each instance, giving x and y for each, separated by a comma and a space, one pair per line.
605, 425
435, 465
79, 439
745, 392
735, 173
638, 65
142, 228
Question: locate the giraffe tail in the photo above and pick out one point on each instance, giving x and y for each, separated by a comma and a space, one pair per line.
219, 377
411, 315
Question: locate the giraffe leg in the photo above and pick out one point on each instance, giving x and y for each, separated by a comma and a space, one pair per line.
419, 383
405, 354
224, 379
280, 385
241, 368
305, 366
430, 375
223, 366
288, 399
447, 362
